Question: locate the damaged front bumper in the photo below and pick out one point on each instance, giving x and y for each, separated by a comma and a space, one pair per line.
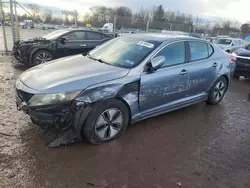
68, 118
20, 53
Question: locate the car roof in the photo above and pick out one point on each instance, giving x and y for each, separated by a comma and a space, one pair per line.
161, 37
80, 29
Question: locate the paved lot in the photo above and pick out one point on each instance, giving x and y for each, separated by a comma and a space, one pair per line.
24, 35
199, 146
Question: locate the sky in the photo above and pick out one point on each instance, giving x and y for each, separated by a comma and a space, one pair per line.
225, 9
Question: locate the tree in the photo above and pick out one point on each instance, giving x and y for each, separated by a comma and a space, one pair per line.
123, 17
66, 15
159, 14
47, 16
245, 30
35, 10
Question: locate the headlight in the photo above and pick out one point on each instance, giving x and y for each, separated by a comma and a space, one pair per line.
47, 99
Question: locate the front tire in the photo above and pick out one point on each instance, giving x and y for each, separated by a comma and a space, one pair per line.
218, 91
42, 56
107, 121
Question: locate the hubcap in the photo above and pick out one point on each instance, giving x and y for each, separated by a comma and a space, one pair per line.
109, 124
219, 90
43, 58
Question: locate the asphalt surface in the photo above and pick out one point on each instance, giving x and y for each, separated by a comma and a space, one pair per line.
197, 147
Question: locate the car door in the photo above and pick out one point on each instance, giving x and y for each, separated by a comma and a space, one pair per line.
203, 68
75, 43
169, 83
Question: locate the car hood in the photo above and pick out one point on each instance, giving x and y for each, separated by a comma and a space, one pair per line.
69, 74
243, 52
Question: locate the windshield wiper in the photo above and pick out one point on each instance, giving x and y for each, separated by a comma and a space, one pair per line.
100, 60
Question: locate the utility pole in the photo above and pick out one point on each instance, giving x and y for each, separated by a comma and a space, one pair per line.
75, 19
148, 21
12, 21
114, 25
3, 26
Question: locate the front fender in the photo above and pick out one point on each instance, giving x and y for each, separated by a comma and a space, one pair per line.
127, 93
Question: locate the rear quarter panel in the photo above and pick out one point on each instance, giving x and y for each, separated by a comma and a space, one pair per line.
224, 68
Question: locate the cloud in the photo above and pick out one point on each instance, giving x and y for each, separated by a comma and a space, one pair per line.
233, 9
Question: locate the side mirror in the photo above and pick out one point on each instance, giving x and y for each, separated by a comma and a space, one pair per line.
233, 44
157, 62
63, 39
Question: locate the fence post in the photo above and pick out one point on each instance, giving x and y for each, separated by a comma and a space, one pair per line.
114, 25
12, 21
170, 29
3, 26
17, 23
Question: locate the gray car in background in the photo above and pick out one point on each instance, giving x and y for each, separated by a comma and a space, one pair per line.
229, 44
123, 81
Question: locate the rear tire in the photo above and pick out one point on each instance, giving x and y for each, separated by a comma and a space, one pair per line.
218, 91
107, 121
24, 27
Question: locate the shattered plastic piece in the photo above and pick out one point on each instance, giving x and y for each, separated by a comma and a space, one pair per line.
179, 183
67, 137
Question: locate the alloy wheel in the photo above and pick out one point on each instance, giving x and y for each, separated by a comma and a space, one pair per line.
109, 124
219, 90
43, 57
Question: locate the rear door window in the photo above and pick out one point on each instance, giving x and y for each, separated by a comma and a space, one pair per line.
198, 50
81, 35
94, 36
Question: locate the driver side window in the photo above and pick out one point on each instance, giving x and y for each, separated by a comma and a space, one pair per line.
174, 54
71, 36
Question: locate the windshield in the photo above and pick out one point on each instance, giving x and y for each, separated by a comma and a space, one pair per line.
124, 52
224, 41
55, 34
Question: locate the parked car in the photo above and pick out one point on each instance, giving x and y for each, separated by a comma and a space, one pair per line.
123, 81
247, 40
27, 23
230, 44
242, 62
57, 44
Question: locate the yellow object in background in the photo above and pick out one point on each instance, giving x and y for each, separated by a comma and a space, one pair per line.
88, 25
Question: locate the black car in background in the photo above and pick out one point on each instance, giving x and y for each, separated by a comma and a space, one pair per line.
57, 44
242, 62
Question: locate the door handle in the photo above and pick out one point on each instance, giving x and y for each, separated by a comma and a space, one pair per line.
83, 45
215, 64
183, 72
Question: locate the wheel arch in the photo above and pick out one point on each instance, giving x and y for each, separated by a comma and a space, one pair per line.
227, 79
34, 51
127, 105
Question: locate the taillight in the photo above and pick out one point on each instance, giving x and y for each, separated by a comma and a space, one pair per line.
233, 59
